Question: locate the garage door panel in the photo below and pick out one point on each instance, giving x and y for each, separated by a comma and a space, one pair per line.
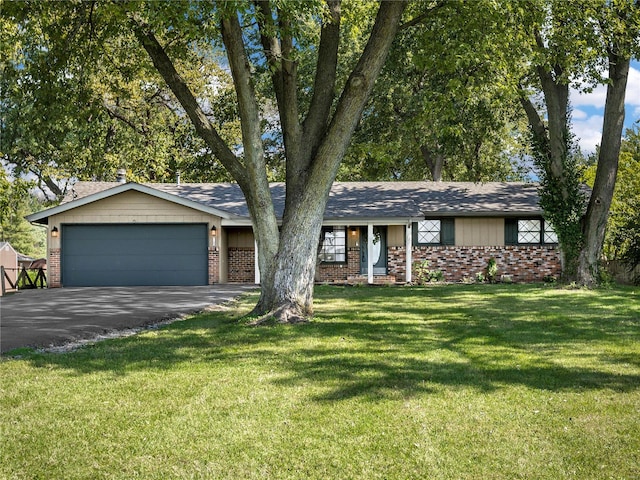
139, 254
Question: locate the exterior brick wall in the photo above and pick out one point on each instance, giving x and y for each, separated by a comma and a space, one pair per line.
522, 263
241, 265
340, 272
529, 263
53, 269
397, 262
214, 265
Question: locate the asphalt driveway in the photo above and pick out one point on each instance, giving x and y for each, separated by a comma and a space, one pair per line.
49, 317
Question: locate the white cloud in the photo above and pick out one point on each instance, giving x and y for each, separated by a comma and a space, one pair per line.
598, 96
587, 114
633, 88
578, 114
588, 131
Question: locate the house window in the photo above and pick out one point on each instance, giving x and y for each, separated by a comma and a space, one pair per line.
550, 235
429, 231
529, 231
334, 245
434, 231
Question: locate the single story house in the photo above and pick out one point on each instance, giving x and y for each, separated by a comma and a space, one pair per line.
117, 233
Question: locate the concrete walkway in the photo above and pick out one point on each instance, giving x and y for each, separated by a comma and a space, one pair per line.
43, 318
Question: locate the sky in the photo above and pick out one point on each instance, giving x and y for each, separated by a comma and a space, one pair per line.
588, 109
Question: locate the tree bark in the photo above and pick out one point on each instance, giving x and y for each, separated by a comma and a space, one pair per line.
434, 161
314, 150
291, 299
606, 172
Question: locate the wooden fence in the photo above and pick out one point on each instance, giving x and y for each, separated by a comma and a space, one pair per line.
621, 273
27, 278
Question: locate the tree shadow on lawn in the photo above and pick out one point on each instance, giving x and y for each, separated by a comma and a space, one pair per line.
422, 340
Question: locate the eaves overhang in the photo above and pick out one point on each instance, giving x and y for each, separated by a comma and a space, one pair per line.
482, 214
43, 216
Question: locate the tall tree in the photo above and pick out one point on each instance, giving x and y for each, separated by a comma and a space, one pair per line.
15, 203
317, 106
570, 42
446, 106
623, 224
314, 140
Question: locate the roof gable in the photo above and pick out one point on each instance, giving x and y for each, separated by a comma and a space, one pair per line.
7, 246
111, 189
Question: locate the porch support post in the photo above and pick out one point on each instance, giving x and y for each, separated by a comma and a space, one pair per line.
408, 247
370, 253
255, 263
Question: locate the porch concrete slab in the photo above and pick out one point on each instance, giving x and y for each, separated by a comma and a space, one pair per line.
51, 317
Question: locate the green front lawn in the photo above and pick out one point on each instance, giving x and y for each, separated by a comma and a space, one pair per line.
460, 381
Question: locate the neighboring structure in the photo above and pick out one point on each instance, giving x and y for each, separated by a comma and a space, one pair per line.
375, 232
9, 260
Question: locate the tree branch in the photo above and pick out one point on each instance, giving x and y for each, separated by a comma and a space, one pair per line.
181, 90
535, 121
357, 90
247, 104
114, 114
284, 76
422, 17
324, 83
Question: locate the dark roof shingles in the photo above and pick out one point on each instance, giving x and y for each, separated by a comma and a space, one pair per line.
364, 199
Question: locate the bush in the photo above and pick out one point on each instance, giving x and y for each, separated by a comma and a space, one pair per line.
492, 270
423, 274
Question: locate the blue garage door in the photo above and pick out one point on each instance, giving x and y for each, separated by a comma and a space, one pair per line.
140, 254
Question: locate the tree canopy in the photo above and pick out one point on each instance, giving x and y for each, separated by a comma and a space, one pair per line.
79, 103
257, 90
446, 105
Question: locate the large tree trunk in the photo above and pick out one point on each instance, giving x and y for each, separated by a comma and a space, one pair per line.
559, 185
314, 156
314, 147
598, 209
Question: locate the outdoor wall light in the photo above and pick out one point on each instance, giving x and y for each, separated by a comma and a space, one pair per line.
54, 232
353, 230
214, 231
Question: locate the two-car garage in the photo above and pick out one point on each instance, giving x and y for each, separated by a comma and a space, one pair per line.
134, 254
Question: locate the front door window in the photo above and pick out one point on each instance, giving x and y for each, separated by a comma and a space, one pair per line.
379, 251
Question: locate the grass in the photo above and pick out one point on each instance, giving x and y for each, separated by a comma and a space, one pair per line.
464, 381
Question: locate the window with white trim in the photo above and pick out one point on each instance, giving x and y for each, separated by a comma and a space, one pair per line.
334, 245
529, 231
429, 231
550, 235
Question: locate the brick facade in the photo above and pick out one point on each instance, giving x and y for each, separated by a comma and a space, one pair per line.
241, 266
53, 269
530, 263
214, 265
340, 272
522, 263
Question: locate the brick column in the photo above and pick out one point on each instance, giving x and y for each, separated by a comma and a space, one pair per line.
53, 269
214, 265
